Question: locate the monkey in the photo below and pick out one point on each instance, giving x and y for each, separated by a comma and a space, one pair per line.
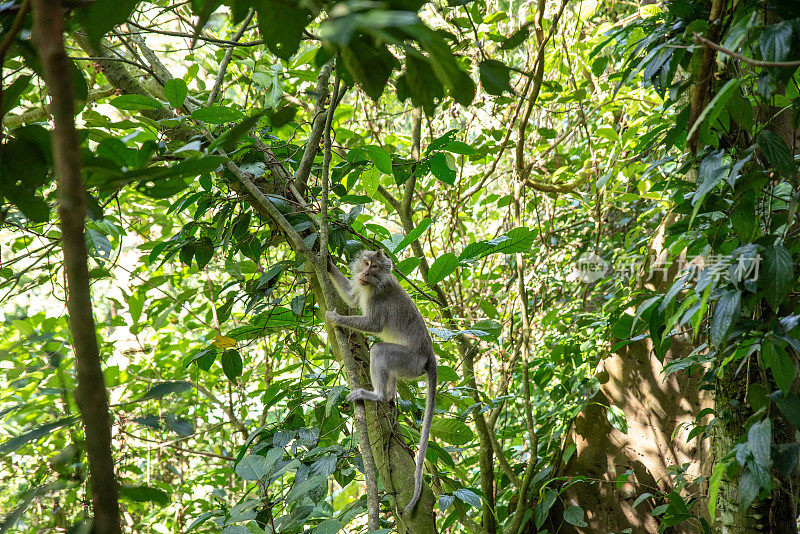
406, 350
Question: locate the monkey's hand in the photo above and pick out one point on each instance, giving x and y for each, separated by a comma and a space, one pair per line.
332, 317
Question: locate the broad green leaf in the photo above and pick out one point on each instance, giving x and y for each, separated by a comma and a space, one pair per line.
775, 41
381, 158
777, 275
495, 77
442, 268
789, 405
574, 516
441, 168
543, 507
232, 364
253, 467
328, 526
217, 114
779, 362
759, 437
135, 102
713, 488
281, 24
710, 172
516, 38
726, 313
144, 494
776, 152
176, 92
302, 489
452, 431
44, 430
748, 488
99, 17
166, 388
468, 497
413, 235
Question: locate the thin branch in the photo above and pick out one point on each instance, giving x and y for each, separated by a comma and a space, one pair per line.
200, 37
744, 59
317, 125
223, 67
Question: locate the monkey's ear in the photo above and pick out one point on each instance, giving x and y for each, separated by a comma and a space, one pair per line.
379, 253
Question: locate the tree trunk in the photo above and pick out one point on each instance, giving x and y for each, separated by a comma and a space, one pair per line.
90, 394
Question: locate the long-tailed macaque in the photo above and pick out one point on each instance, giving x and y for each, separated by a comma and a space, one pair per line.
406, 351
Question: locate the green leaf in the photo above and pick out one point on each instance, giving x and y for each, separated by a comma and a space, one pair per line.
709, 174
369, 66
166, 388
713, 488
495, 77
726, 313
381, 158
281, 24
785, 457
777, 275
441, 168
468, 496
302, 489
779, 362
748, 488
574, 516
134, 102
420, 84
328, 526
442, 268
232, 364
775, 41
640, 499
452, 431
144, 494
516, 38
776, 152
217, 114
176, 91
100, 17
759, 437
253, 467
44, 430
789, 405
717, 104
413, 235
543, 507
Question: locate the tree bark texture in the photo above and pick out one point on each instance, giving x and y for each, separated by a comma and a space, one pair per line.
90, 393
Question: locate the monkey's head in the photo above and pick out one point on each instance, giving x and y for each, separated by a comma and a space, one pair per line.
372, 269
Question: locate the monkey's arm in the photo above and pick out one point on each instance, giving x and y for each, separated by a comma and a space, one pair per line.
342, 284
368, 324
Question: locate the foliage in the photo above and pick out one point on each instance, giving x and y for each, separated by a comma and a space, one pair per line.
228, 405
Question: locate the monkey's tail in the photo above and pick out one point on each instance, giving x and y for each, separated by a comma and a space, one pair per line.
427, 419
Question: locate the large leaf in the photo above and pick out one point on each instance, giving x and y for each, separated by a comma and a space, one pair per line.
442, 268
775, 41
495, 77
144, 493
779, 362
232, 364
217, 114
452, 431
166, 388
135, 102
38, 432
281, 24
777, 275
789, 405
176, 91
726, 312
759, 437
101, 16
776, 152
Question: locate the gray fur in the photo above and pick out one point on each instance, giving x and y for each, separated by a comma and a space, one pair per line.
407, 351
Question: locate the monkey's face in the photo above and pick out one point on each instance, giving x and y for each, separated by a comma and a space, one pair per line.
373, 267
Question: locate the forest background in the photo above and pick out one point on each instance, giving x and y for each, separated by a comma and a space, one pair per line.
593, 204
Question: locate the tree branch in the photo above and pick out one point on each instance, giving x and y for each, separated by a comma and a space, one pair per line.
697, 38
223, 67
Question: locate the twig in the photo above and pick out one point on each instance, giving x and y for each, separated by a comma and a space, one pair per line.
223, 67
750, 61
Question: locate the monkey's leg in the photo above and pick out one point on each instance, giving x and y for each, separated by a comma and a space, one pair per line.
387, 362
